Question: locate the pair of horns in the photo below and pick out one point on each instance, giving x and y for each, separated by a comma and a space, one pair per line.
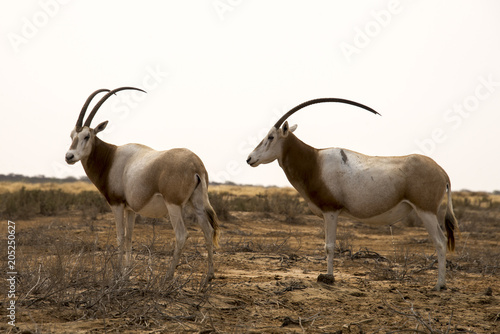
98, 105
321, 100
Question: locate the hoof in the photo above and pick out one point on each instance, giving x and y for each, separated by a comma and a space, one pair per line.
205, 282
326, 278
440, 288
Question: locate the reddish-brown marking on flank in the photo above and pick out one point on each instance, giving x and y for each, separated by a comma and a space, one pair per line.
425, 182
173, 175
302, 168
177, 179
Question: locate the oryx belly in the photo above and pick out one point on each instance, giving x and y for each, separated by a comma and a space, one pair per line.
154, 208
391, 216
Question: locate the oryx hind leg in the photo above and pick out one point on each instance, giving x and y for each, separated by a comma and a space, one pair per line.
438, 238
175, 213
198, 203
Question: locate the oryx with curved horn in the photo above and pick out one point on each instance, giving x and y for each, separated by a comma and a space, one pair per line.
136, 179
374, 190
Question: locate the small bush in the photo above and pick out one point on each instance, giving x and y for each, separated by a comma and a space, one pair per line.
289, 205
91, 203
21, 204
219, 202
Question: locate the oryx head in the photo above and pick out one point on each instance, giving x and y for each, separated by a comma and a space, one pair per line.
270, 148
82, 136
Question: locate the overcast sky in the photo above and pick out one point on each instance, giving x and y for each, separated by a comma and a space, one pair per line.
219, 73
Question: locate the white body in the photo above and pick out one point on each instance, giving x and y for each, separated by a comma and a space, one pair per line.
373, 190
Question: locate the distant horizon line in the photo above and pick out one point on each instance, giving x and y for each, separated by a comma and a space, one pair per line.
13, 177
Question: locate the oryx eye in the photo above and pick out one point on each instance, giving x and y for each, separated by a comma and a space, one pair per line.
86, 137
270, 137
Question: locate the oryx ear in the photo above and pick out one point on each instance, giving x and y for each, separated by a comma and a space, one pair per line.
286, 129
101, 127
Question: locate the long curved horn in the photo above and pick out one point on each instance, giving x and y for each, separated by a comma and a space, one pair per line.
79, 122
321, 100
103, 99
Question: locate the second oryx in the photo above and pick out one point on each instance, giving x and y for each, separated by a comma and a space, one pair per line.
370, 189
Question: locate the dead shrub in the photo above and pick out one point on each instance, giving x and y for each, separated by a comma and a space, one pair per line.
220, 202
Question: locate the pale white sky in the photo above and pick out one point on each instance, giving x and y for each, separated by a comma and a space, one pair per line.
219, 73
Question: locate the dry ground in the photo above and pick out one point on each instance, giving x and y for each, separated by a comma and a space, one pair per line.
266, 272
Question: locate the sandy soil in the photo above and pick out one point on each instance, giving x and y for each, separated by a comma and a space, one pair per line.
266, 273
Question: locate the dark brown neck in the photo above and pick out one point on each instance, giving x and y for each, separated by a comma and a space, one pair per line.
98, 165
298, 160
302, 166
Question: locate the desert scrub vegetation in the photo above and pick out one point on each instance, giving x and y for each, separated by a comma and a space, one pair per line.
290, 205
68, 272
25, 203
476, 199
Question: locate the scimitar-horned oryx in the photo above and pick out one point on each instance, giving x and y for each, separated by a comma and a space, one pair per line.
136, 179
374, 190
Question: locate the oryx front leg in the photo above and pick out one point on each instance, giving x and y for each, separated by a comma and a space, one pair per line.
431, 223
120, 232
330, 219
175, 213
129, 229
